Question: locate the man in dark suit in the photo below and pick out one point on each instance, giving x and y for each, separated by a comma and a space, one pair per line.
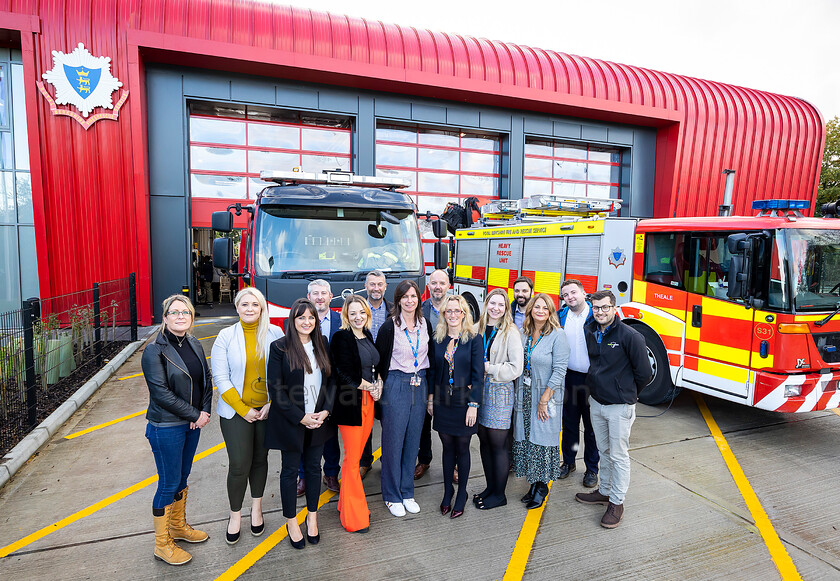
320, 293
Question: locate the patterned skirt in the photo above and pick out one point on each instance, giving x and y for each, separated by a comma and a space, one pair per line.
497, 407
536, 463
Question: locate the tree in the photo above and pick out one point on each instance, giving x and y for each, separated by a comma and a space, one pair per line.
829, 186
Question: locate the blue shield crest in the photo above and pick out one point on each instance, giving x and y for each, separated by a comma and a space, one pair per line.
83, 79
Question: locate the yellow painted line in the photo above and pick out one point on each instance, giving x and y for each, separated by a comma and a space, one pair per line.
269, 543
836, 411
100, 426
47, 530
210, 337
777, 550
522, 551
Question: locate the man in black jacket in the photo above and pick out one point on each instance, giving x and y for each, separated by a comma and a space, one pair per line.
618, 370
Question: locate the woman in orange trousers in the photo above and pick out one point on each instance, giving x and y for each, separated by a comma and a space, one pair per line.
354, 359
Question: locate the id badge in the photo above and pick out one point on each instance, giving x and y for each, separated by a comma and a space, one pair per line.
415, 380
526, 381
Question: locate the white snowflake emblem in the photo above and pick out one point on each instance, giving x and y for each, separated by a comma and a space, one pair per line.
82, 80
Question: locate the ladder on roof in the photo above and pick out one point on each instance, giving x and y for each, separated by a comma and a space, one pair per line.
546, 208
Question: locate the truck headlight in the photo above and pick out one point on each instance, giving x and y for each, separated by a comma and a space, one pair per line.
793, 390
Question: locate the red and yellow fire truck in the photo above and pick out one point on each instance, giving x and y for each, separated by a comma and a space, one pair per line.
746, 309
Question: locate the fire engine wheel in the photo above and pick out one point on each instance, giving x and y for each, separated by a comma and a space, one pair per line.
476, 310
660, 389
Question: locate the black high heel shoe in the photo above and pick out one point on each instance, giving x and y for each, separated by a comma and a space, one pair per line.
539, 496
232, 538
313, 539
297, 544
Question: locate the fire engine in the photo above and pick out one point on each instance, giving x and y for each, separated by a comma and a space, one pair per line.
335, 226
745, 309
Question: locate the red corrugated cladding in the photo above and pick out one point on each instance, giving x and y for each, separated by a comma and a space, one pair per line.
91, 190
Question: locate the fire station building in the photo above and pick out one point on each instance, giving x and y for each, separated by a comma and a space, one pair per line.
123, 125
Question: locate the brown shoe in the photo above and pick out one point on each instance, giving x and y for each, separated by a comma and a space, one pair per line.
594, 497
301, 487
363, 471
332, 483
420, 470
613, 516
455, 476
166, 549
179, 530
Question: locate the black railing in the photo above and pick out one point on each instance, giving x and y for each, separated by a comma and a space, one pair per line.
50, 347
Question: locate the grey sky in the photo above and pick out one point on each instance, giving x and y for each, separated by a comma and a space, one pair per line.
780, 46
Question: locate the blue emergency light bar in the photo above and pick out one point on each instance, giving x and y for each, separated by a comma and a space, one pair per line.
781, 204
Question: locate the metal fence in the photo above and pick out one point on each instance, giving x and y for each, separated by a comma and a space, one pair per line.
50, 347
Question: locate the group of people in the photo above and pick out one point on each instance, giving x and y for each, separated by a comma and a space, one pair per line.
515, 377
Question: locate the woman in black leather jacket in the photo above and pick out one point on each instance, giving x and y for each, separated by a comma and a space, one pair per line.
180, 393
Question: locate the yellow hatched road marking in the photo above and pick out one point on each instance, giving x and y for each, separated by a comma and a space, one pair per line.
48, 530
777, 550
105, 425
269, 543
522, 551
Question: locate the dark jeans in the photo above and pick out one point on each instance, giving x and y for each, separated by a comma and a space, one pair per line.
332, 458
425, 454
247, 458
311, 459
174, 449
575, 409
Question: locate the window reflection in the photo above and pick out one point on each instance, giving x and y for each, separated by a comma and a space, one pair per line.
437, 183
218, 186
319, 163
217, 159
217, 131
322, 140
23, 192
271, 160
279, 136
437, 158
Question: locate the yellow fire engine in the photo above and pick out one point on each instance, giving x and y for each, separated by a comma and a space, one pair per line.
742, 308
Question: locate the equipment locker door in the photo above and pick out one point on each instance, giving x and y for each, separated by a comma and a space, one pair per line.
543, 260
471, 261
505, 260
582, 260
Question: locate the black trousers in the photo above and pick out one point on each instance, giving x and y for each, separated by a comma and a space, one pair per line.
424, 456
311, 457
575, 409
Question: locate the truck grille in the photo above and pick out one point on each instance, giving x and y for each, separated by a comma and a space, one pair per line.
828, 345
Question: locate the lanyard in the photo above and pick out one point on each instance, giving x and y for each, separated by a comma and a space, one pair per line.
529, 349
415, 349
450, 358
487, 343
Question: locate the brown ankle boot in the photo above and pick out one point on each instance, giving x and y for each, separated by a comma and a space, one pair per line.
178, 527
165, 548
612, 516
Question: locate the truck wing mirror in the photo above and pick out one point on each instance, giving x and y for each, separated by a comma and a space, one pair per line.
223, 251
439, 228
441, 255
222, 221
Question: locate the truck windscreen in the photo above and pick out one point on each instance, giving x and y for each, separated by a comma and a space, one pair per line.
317, 239
815, 268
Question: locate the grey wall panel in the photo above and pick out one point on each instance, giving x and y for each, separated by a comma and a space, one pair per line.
570, 130
462, 117
252, 91
166, 132
539, 125
170, 248
428, 113
388, 107
642, 167
515, 162
207, 86
495, 120
593, 133
329, 100
364, 144
288, 96
620, 135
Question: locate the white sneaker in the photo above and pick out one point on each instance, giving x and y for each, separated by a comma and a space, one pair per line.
411, 505
397, 508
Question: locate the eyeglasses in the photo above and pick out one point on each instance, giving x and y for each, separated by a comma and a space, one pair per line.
175, 314
604, 309
453, 312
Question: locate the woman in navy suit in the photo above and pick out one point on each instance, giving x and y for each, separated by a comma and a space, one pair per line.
302, 394
457, 391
